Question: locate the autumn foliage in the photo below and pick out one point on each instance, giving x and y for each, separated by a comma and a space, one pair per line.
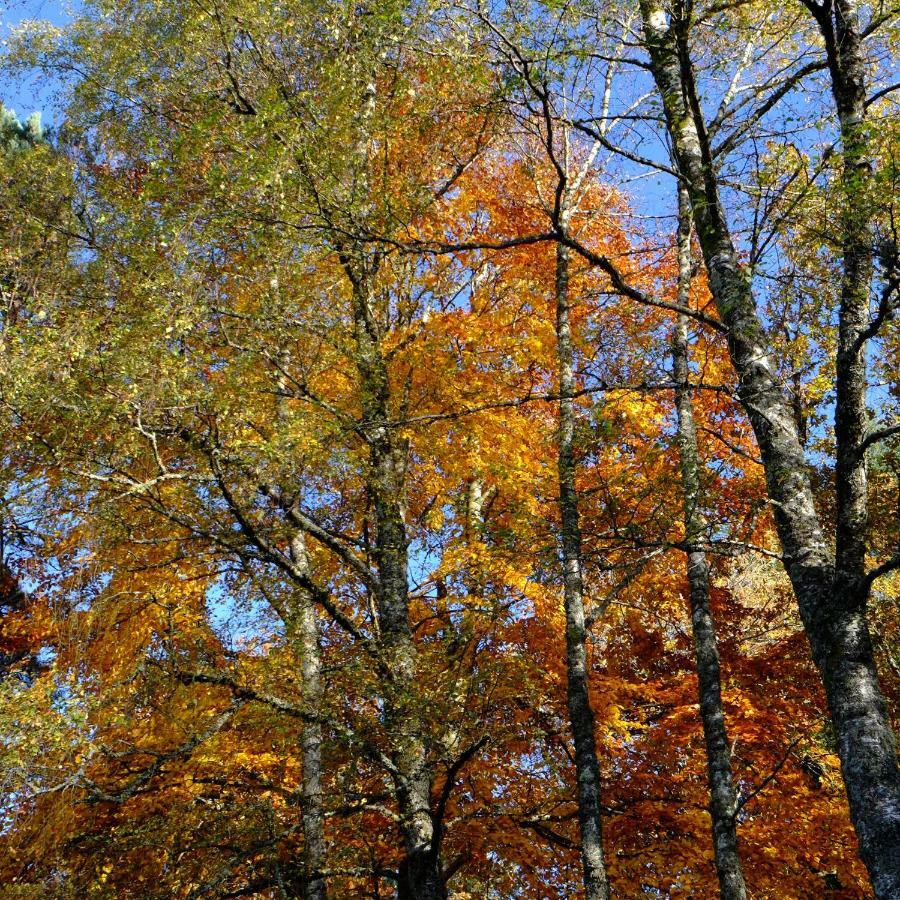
294, 290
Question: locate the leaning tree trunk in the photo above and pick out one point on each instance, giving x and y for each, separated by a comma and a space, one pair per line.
722, 795
303, 629
834, 619
420, 876
581, 716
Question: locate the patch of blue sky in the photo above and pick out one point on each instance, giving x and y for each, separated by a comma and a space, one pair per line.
241, 622
423, 560
28, 92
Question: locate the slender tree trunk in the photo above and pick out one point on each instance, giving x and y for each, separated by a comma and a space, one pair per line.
723, 800
834, 618
421, 876
847, 68
304, 630
851, 419
302, 627
581, 716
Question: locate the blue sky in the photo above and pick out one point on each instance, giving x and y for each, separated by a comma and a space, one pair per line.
33, 92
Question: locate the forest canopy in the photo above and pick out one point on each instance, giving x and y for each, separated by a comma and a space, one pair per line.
450, 450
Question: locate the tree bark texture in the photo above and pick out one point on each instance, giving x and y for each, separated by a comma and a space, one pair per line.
581, 715
723, 799
304, 631
420, 876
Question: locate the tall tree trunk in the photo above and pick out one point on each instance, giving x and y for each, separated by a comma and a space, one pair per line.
723, 800
847, 69
302, 627
874, 771
420, 877
581, 716
834, 618
304, 631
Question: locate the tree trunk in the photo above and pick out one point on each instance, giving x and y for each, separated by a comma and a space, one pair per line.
866, 744
581, 716
834, 618
420, 875
304, 631
847, 69
723, 801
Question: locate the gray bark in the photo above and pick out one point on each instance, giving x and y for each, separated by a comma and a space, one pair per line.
420, 872
723, 799
868, 754
420, 876
581, 716
847, 69
304, 632
832, 606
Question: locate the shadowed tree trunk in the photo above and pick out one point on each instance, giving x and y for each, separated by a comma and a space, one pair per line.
831, 600
420, 875
722, 795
